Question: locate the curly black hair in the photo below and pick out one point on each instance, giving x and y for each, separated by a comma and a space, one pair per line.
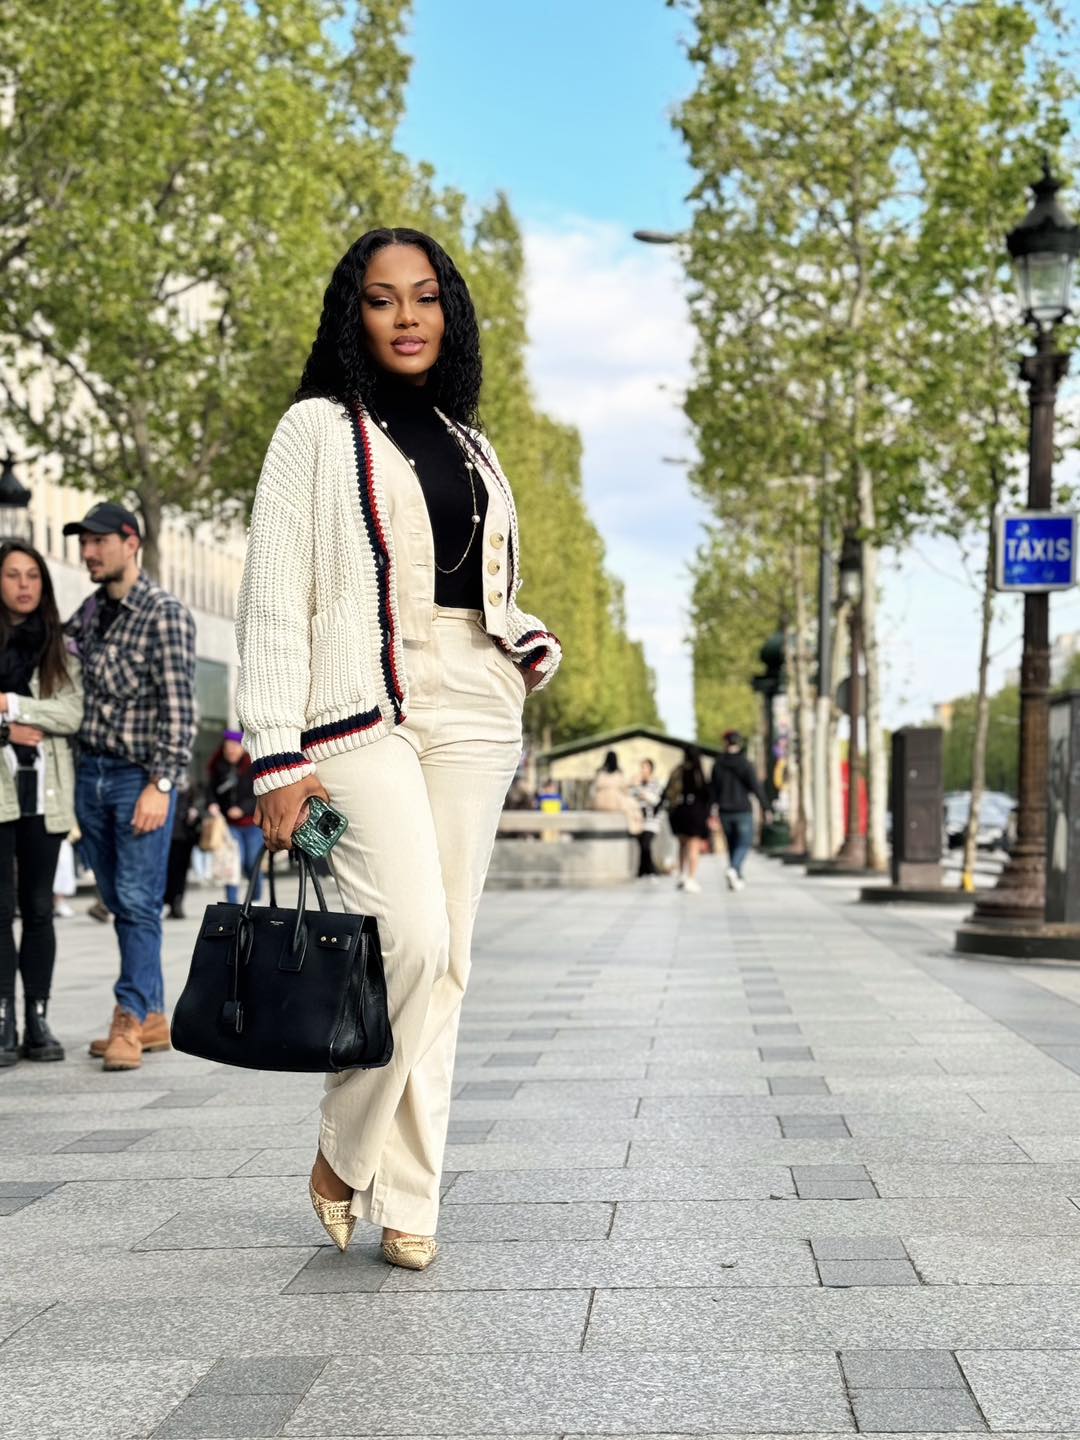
340, 366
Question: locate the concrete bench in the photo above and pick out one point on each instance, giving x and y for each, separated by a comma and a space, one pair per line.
575, 848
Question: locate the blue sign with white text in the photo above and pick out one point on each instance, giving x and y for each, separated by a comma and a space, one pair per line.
1036, 551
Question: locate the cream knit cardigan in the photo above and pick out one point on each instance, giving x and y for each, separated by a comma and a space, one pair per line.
322, 666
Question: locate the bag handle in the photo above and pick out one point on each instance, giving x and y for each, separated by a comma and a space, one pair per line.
306, 868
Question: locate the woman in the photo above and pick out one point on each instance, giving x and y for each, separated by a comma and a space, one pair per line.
610, 790
687, 798
648, 796
187, 824
40, 704
384, 663
230, 791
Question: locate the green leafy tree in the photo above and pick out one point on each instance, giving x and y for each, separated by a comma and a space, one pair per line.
853, 161
184, 176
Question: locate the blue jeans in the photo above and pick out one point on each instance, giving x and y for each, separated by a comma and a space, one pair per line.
250, 840
738, 828
130, 871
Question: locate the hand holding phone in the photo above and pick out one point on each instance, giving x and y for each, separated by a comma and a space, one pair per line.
320, 830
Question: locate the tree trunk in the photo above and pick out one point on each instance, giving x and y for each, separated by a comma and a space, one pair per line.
877, 774
982, 703
793, 772
803, 719
841, 655
150, 510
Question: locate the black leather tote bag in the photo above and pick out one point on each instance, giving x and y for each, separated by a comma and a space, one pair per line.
276, 989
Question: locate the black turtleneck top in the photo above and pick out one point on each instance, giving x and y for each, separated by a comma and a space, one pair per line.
414, 426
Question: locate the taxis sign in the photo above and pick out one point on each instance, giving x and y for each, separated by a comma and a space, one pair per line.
1036, 551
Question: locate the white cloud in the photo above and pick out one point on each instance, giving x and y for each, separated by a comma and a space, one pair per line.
611, 346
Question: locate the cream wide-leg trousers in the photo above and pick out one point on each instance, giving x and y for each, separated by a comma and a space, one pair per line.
423, 804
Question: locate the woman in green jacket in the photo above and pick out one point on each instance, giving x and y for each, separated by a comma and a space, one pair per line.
41, 704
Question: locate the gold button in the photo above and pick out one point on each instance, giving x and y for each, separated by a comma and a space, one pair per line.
498, 541
494, 596
494, 567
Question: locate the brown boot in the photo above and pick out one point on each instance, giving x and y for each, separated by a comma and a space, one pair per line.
155, 1036
124, 1050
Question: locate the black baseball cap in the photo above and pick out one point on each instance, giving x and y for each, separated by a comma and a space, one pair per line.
105, 518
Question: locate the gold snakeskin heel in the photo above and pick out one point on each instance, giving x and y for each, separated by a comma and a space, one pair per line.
411, 1252
334, 1217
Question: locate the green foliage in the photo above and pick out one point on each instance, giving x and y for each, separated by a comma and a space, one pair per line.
858, 164
186, 174
1002, 744
735, 605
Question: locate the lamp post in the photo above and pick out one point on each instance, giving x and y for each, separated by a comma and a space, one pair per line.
852, 854
1043, 248
14, 496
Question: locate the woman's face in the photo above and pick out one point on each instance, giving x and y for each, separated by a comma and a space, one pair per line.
20, 586
233, 751
402, 313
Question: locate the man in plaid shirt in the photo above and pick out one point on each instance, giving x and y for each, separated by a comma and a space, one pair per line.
137, 647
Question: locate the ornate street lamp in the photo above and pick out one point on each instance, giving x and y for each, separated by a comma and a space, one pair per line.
1043, 247
13, 495
852, 854
14, 498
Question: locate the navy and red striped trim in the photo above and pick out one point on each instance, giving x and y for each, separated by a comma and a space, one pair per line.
383, 561
340, 729
533, 658
278, 764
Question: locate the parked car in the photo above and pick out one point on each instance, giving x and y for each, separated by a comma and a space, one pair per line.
994, 817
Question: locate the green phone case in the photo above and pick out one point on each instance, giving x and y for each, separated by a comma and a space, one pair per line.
321, 831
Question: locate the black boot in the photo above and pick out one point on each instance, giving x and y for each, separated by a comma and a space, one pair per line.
9, 1040
39, 1043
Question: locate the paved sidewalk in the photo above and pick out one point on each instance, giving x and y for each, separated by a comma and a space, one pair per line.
758, 1164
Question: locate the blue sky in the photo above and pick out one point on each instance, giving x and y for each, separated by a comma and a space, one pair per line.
565, 105
562, 103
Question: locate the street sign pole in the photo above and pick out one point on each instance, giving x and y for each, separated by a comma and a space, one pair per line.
1018, 901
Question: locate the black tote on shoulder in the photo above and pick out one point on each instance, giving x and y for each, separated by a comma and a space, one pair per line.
277, 989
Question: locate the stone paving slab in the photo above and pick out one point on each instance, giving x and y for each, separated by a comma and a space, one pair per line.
69, 1275
455, 1395
1025, 1389
905, 1151
482, 1322
730, 1182
92, 1400
862, 1317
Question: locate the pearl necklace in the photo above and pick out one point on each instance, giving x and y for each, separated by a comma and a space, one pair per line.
470, 469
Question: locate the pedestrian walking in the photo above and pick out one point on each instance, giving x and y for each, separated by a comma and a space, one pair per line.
384, 664
687, 799
734, 781
186, 827
137, 645
649, 796
610, 791
41, 705
230, 792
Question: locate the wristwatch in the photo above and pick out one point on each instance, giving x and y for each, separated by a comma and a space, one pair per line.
164, 784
